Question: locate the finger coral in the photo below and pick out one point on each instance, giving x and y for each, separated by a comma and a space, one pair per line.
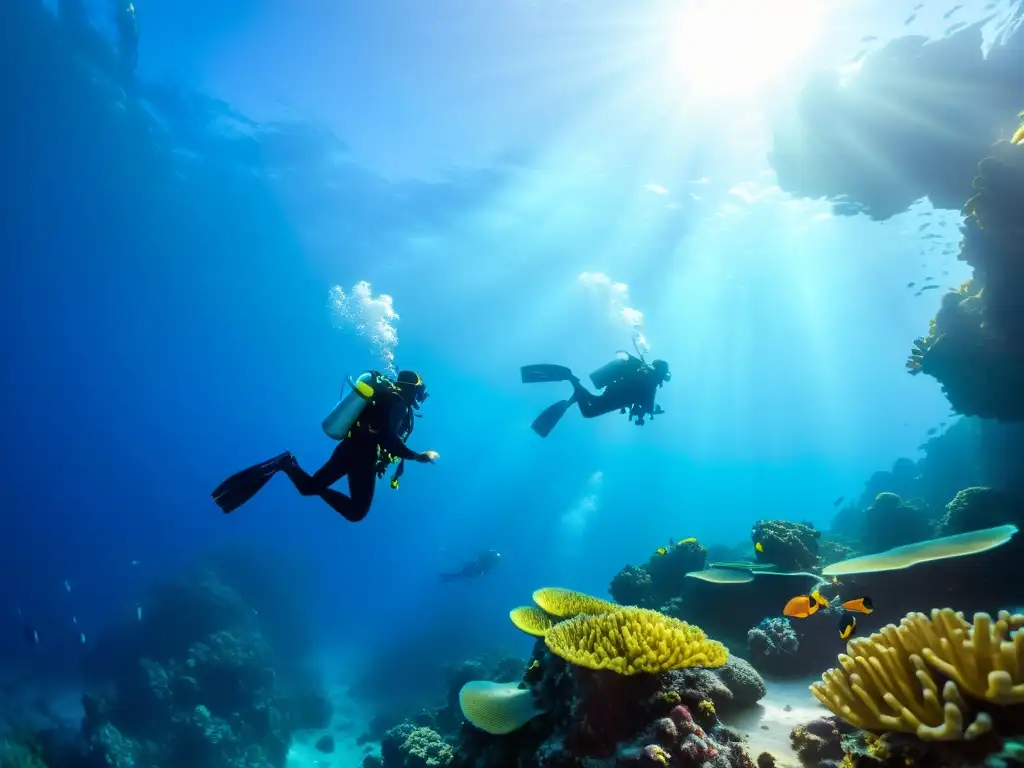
531, 620
566, 602
889, 681
633, 641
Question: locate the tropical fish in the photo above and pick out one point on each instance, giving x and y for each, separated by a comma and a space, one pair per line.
838, 501
759, 547
847, 625
802, 606
860, 605
661, 551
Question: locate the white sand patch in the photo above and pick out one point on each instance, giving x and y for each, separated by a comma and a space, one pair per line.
767, 727
347, 723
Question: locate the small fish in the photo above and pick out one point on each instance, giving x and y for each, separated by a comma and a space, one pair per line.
802, 606
924, 226
860, 605
661, 551
910, 20
951, 11
911, 284
67, 585
847, 626
135, 562
74, 620
81, 637
138, 612
835, 581
31, 635
931, 431
759, 547
838, 501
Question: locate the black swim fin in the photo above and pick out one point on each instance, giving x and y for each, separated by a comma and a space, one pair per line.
537, 374
550, 417
242, 486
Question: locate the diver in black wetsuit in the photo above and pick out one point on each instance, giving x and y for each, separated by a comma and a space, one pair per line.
484, 563
368, 445
629, 384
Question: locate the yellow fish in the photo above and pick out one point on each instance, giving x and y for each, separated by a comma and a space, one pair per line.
847, 625
759, 547
661, 551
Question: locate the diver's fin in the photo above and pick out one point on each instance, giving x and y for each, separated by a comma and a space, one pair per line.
536, 374
550, 417
242, 486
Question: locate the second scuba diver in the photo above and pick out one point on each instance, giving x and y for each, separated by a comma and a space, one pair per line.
484, 563
629, 383
371, 423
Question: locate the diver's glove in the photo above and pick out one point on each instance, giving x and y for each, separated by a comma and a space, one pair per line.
427, 457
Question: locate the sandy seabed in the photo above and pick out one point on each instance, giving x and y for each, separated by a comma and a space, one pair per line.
787, 704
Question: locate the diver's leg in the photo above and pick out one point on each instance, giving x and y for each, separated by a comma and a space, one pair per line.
358, 462
594, 405
335, 468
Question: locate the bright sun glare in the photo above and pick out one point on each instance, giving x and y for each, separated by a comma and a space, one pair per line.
729, 48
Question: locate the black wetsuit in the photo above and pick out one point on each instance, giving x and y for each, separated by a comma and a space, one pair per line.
634, 392
363, 455
483, 564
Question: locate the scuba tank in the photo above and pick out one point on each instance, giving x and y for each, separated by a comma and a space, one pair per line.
623, 364
350, 407
615, 369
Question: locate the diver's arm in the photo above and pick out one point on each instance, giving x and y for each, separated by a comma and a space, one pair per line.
646, 401
391, 442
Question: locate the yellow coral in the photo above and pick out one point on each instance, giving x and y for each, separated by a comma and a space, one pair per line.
531, 620
566, 602
887, 681
632, 641
707, 707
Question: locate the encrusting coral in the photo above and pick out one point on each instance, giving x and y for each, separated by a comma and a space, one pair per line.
531, 620
632, 641
564, 603
890, 680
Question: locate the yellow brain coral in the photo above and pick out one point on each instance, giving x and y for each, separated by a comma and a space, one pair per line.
531, 620
887, 681
632, 641
565, 602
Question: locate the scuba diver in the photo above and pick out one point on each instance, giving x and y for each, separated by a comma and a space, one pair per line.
372, 423
484, 563
629, 383
128, 35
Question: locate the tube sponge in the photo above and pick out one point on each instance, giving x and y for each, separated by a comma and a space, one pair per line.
633, 641
887, 681
531, 620
565, 602
497, 708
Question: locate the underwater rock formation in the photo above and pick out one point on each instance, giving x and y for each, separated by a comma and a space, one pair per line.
197, 687
900, 111
771, 644
662, 578
976, 508
788, 546
890, 522
975, 343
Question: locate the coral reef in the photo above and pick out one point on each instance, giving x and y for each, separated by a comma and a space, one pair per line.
976, 508
938, 677
662, 578
772, 644
788, 546
975, 344
889, 522
632, 641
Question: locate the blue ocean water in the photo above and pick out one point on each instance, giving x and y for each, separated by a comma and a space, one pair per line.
486, 187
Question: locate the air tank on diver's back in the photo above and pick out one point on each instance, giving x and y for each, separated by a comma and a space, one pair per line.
350, 407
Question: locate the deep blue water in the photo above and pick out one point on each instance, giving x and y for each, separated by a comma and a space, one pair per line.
167, 263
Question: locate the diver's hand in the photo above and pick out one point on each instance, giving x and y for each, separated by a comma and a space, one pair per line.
429, 457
